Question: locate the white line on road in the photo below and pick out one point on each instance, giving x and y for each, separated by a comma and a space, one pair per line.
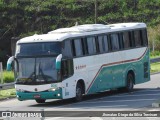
55, 118
95, 118
120, 101
137, 95
86, 108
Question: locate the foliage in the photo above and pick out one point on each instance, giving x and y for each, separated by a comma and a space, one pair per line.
20, 18
154, 37
155, 54
8, 76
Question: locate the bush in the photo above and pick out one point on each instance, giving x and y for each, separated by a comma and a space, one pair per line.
8, 76
154, 54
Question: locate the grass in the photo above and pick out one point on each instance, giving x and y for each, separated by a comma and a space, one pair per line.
155, 67
9, 93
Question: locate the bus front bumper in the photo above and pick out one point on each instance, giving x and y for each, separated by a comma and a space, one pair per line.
39, 95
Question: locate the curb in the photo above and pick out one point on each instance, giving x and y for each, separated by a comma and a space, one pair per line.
5, 99
155, 73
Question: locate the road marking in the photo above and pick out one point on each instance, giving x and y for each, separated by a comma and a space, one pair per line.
95, 118
121, 101
138, 95
55, 118
86, 108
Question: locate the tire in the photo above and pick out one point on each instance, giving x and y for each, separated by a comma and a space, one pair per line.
40, 100
130, 82
79, 92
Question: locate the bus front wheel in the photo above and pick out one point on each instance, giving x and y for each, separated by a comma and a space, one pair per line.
130, 82
78, 92
40, 100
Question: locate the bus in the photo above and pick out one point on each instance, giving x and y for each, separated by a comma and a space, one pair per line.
81, 60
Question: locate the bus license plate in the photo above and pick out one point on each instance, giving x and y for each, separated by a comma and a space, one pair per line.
37, 96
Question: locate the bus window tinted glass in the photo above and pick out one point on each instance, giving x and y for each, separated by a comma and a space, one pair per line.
114, 42
78, 47
91, 45
126, 40
66, 51
106, 44
38, 49
137, 38
101, 44
144, 37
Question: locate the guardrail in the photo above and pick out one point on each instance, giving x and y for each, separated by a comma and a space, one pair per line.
11, 85
154, 60
7, 86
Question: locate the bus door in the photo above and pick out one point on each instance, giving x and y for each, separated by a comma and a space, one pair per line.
67, 72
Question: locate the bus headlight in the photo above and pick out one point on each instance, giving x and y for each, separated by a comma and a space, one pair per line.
53, 89
20, 90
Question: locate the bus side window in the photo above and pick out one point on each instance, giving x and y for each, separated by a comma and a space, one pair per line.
114, 42
144, 37
121, 43
84, 46
126, 40
91, 45
78, 47
106, 46
101, 43
67, 68
131, 38
66, 49
97, 44
138, 41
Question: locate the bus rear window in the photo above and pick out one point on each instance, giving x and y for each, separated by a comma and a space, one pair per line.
38, 49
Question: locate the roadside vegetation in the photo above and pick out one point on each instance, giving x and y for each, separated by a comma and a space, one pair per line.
8, 76
155, 67
9, 93
155, 54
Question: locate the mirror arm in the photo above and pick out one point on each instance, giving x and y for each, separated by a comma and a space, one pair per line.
9, 63
58, 62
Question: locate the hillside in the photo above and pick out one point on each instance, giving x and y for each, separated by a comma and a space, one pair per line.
21, 18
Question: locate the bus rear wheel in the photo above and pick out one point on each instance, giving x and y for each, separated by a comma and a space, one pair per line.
40, 100
130, 82
78, 92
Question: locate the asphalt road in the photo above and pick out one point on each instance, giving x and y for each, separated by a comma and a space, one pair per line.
140, 99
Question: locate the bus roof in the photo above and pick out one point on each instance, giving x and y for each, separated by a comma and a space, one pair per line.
80, 30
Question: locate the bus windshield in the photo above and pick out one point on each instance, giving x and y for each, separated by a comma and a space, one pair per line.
33, 71
38, 49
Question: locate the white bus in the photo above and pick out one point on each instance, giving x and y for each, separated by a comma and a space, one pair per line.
80, 60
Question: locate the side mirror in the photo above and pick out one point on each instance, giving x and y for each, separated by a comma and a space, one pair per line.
9, 63
58, 62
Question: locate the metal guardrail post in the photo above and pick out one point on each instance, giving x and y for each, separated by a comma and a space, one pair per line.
1, 73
